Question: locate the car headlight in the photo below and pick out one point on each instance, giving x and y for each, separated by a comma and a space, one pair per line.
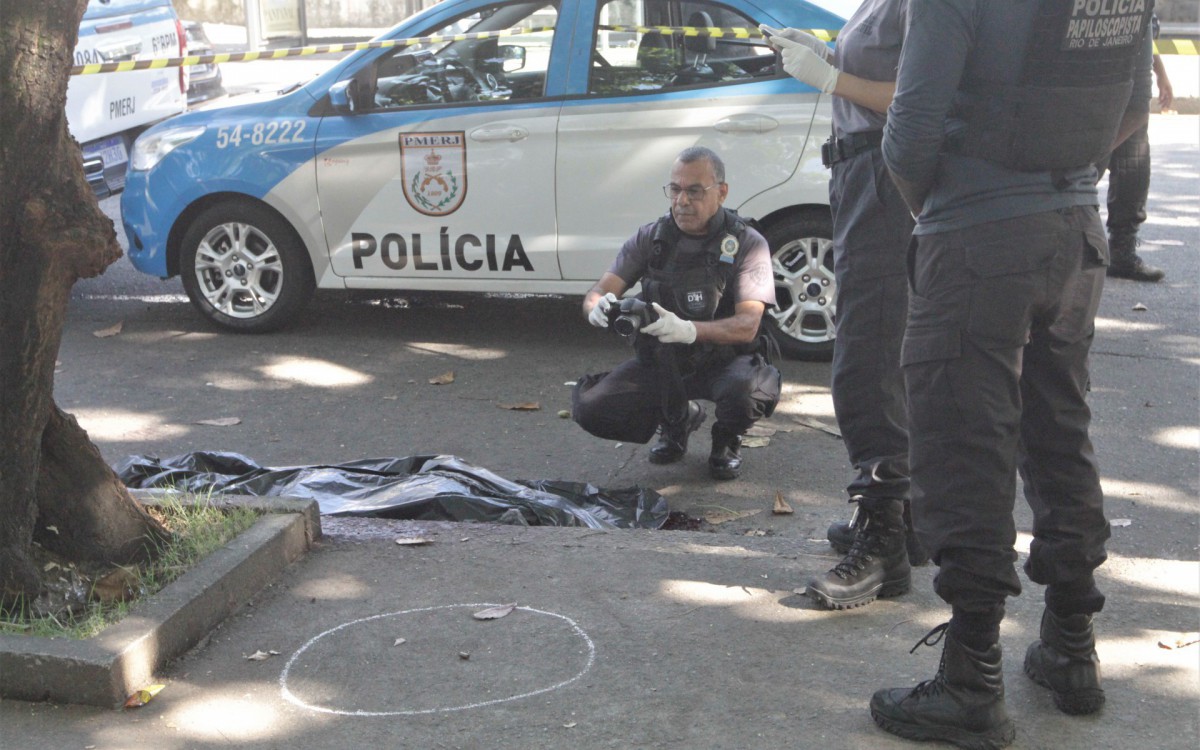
149, 149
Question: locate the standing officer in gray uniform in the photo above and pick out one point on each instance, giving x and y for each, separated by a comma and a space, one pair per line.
1000, 111
706, 275
871, 230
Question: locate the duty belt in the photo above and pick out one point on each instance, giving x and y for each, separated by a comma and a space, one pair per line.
839, 149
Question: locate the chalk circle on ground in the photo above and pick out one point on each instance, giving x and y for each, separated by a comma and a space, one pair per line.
434, 660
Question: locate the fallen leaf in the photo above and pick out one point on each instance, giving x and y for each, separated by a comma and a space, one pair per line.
261, 655
527, 406
50, 566
1182, 641
141, 697
399, 641
413, 541
495, 613
818, 425
754, 441
112, 330
759, 430
121, 585
221, 421
1120, 522
1139, 307
564, 414
444, 379
781, 506
52, 528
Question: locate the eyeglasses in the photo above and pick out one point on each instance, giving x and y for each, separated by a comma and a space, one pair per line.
694, 192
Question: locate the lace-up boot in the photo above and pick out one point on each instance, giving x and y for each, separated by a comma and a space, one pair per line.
1065, 661
841, 535
725, 460
673, 438
963, 704
875, 565
1124, 262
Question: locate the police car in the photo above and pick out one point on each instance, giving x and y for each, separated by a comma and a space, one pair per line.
104, 111
504, 146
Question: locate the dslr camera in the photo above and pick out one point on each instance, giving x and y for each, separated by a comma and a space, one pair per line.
629, 315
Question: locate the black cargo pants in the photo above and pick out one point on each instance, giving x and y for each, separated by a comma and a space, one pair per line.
627, 403
995, 360
871, 230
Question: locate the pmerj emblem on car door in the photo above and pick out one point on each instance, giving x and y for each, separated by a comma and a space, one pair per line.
434, 171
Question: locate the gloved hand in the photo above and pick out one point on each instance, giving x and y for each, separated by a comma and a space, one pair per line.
807, 66
599, 314
801, 37
670, 328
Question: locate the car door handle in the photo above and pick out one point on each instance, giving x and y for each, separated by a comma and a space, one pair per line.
746, 123
490, 133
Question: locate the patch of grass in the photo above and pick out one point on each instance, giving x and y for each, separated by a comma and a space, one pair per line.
198, 527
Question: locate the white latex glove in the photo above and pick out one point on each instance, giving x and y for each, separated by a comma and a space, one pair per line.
599, 314
807, 66
670, 328
801, 37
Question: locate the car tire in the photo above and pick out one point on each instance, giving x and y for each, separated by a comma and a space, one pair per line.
804, 320
244, 268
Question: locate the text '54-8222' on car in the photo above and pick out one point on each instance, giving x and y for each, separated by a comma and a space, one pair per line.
491, 160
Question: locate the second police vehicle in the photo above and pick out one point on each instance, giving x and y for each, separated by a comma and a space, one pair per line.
491, 162
106, 111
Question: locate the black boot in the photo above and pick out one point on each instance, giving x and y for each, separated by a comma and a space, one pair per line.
1124, 262
673, 438
875, 565
1065, 661
725, 460
963, 704
841, 535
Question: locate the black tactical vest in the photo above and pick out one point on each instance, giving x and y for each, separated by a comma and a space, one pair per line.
1076, 78
696, 291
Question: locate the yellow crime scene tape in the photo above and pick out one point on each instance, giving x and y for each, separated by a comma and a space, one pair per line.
826, 35
276, 54
1175, 47
1161, 46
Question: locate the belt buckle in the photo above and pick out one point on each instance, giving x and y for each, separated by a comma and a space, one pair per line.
829, 152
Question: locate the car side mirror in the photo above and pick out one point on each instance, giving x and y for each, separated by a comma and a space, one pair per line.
356, 94
340, 98
513, 57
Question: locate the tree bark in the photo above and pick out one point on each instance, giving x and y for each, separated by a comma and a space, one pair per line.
52, 233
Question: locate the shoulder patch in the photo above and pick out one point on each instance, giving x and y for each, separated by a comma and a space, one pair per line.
729, 248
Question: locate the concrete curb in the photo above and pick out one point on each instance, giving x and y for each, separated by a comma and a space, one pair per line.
104, 670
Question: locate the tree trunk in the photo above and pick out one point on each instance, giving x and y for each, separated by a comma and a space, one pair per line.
52, 233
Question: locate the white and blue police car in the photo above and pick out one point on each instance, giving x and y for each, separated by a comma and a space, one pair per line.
512, 148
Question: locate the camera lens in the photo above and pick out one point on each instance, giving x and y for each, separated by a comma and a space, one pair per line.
626, 325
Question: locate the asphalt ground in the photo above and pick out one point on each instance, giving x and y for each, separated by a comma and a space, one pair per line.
623, 638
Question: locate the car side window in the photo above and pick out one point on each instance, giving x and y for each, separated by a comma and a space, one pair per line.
626, 59
457, 70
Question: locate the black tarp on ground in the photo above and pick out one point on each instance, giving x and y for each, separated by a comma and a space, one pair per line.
426, 488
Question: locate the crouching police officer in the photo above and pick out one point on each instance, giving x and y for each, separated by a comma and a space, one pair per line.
706, 280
